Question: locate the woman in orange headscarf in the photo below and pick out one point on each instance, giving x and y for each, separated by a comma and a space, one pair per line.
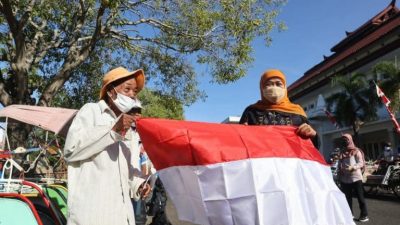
275, 108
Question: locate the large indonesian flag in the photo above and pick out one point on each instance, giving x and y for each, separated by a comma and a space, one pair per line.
220, 174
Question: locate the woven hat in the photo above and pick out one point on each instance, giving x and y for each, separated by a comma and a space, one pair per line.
119, 73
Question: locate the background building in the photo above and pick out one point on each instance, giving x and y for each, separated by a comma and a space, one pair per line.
376, 40
232, 120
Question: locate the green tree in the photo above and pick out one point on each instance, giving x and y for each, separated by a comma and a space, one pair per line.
355, 103
53, 53
387, 76
160, 106
47, 46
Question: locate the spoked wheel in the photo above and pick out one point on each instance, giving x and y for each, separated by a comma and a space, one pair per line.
396, 190
370, 189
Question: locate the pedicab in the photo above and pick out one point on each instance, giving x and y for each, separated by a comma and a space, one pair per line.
30, 194
382, 176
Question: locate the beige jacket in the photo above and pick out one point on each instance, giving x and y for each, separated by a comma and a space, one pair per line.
100, 170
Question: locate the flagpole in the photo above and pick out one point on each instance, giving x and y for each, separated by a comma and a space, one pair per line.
395, 122
386, 102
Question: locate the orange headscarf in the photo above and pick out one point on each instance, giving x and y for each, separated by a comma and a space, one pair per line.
284, 105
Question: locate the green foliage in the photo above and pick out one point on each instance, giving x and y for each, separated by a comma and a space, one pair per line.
81, 88
54, 53
355, 103
64, 47
160, 106
389, 82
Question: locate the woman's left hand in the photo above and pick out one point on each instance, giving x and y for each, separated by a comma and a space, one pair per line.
306, 131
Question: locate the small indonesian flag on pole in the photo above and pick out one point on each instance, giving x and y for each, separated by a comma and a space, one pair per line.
382, 95
226, 174
332, 118
386, 102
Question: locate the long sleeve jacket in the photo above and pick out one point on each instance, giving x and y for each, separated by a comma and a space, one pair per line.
100, 170
354, 159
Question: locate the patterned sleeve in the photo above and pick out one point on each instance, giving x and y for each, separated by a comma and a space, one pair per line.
245, 116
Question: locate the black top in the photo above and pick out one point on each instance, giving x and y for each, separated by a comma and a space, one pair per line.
255, 116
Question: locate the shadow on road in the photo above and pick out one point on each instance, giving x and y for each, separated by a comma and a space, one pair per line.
384, 197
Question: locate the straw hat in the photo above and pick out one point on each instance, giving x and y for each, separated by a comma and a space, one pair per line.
119, 73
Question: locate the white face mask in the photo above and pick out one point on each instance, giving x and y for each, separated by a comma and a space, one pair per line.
125, 103
274, 94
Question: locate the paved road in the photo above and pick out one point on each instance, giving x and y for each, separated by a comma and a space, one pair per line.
383, 210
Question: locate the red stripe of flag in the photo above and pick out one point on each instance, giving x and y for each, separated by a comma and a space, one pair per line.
176, 143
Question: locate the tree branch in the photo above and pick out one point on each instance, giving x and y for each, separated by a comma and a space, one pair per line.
75, 57
32, 46
55, 43
136, 3
5, 98
98, 30
166, 28
81, 21
151, 40
11, 20
26, 16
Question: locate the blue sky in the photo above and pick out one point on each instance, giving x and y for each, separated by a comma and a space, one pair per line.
314, 26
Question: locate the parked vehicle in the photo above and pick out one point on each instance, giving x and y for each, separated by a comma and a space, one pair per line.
384, 176
30, 193
32, 196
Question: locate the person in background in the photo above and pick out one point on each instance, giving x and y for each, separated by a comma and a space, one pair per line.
351, 162
275, 108
98, 150
144, 161
388, 153
140, 205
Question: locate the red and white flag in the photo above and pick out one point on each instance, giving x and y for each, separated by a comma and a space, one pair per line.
225, 174
386, 102
332, 118
382, 95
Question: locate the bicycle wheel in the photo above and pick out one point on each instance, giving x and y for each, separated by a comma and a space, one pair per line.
396, 190
370, 189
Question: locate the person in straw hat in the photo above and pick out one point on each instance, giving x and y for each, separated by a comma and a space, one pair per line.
99, 148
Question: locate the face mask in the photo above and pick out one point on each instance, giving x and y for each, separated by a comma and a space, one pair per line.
344, 143
274, 94
125, 103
